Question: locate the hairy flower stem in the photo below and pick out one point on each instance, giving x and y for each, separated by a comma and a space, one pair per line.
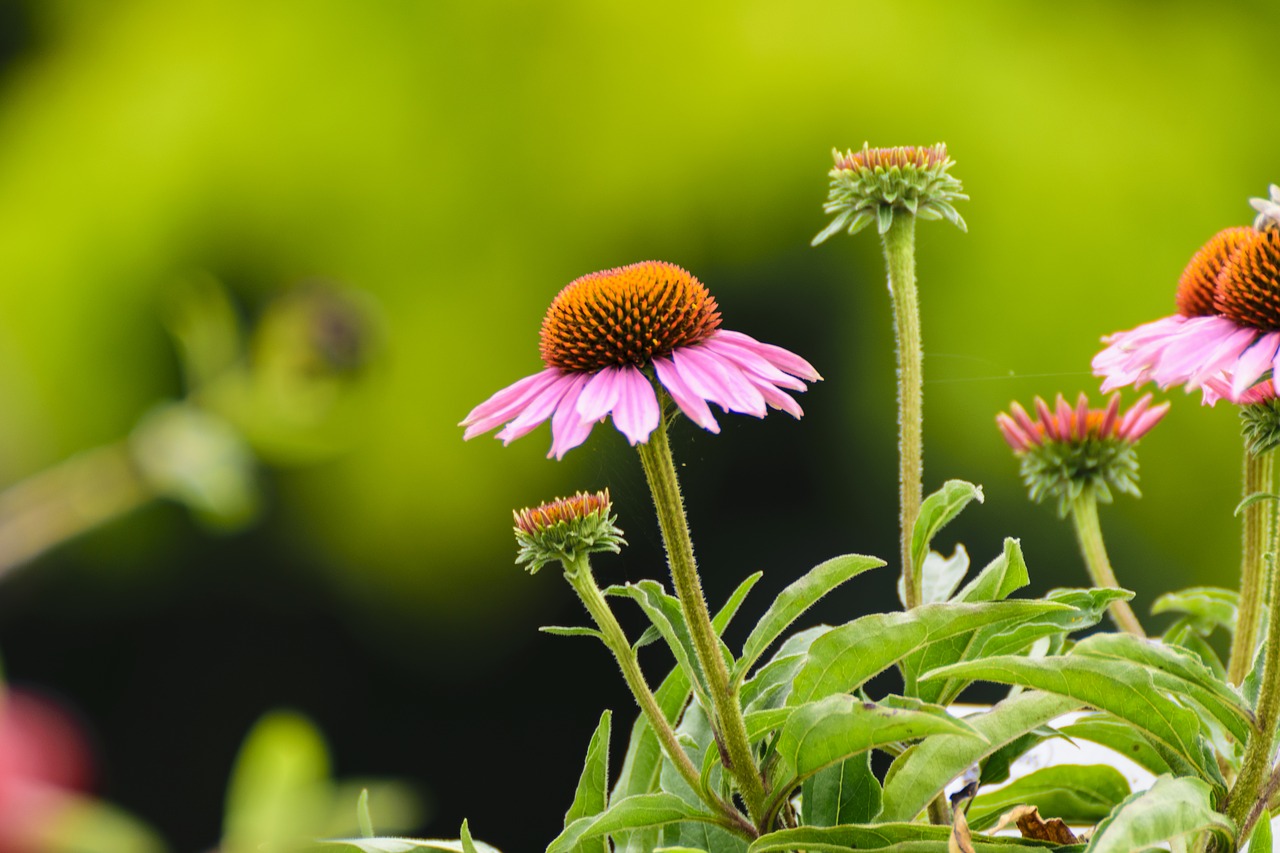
1259, 474
1255, 767
67, 500
900, 257
660, 471
1084, 517
578, 573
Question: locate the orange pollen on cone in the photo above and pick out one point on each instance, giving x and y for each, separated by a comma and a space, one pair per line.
906, 155
579, 506
626, 316
1198, 284
1249, 284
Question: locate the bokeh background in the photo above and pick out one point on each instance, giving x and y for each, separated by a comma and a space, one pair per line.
449, 166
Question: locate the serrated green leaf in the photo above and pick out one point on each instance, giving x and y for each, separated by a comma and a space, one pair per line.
1122, 688
795, 600
842, 659
936, 510
847, 792
1172, 808
1179, 672
639, 812
590, 798
1207, 606
571, 631
921, 773
1078, 794
898, 837
826, 732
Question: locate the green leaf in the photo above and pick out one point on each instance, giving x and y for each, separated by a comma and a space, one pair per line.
1001, 578
1184, 634
847, 792
1179, 672
1172, 808
1119, 736
921, 773
795, 600
665, 613
842, 659
938, 509
1260, 838
939, 576
899, 837
590, 798
1078, 794
562, 631
468, 846
363, 819
826, 732
1207, 606
639, 812
1120, 687
388, 844
770, 686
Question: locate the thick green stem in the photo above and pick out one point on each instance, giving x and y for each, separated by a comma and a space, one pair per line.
1259, 473
1255, 767
67, 500
900, 257
580, 578
660, 471
1084, 516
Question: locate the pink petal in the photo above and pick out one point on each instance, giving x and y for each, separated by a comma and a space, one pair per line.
780, 358
719, 380
636, 412
1024, 421
1141, 426
538, 409
753, 363
690, 402
777, 398
1134, 413
1046, 418
1224, 356
568, 428
507, 403
1253, 363
1109, 417
601, 394
1011, 432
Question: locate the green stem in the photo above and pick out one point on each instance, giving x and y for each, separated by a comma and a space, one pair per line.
660, 471
62, 502
1259, 474
1084, 516
1255, 767
579, 576
900, 257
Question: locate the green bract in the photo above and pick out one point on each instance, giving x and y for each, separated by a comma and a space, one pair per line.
1066, 470
875, 183
1260, 425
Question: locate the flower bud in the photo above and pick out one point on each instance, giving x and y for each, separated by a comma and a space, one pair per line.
567, 529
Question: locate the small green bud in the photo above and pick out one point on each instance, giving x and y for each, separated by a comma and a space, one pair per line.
1260, 419
565, 529
875, 184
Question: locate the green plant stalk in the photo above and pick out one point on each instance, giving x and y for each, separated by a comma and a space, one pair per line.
1255, 767
900, 257
1084, 518
578, 573
660, 471
1259, 474
67, 500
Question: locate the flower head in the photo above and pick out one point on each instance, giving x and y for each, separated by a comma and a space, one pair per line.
875, 183
1066, 451
566, 529
1225, 337
609, 335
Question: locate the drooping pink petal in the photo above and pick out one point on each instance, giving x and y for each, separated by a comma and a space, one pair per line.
600, 394
1253, 363
537, 409
690, 401
636, 413
776, 397
719, 381
1195, 348
753, 363
1134, 414
1223, 357
507, 403
783, 359
1150, 418
568, 428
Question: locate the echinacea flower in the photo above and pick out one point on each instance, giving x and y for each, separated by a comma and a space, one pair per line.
608, 336
566, 529
1067, 450
1225, 337
873, 184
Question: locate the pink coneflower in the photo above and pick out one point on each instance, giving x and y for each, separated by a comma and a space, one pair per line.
1066, 451
1225, 337
609, 335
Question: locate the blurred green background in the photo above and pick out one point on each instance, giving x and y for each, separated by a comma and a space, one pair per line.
456, 164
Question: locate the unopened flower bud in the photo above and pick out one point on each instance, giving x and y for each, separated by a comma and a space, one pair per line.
566, 529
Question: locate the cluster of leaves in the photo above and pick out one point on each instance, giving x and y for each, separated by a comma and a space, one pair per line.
813, 725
